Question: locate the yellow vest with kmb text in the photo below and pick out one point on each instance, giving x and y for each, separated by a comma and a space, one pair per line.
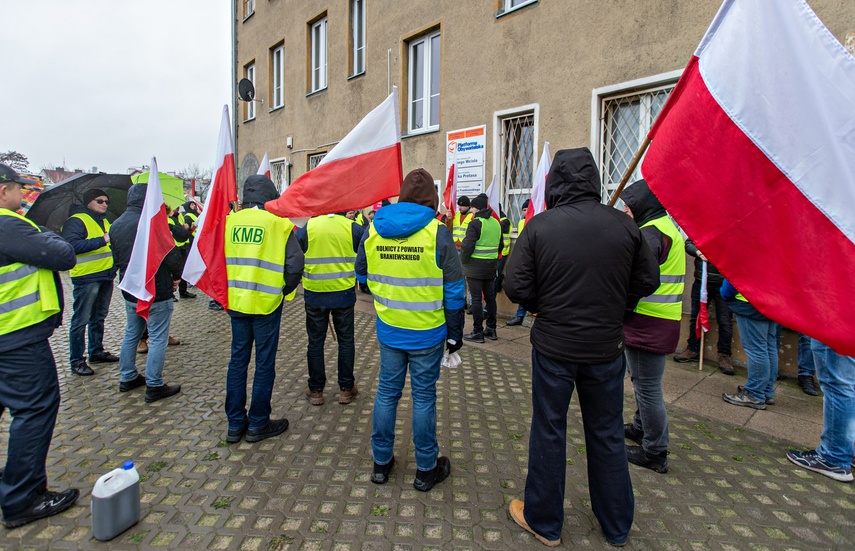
667, 301
255, 260
461, 223
330, 258
405, 280
94, 261
28, 294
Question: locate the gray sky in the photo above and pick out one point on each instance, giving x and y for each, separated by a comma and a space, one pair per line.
111, 83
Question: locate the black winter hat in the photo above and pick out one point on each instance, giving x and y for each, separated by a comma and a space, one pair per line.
463, 201
480, 202
91, 194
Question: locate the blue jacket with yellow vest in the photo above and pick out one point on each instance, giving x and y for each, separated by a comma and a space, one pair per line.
397, 222
334, 298
24, 243
75, 232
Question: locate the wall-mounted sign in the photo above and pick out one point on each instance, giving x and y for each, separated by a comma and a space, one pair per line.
467, 148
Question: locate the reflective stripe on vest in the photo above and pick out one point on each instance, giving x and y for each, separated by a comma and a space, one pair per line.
506, 238
405, 279
667, 301
94, 261
461, 223
487, 246
173, 223
28, 294
255, 260
329, 264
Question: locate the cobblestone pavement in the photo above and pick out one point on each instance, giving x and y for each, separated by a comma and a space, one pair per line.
729, 487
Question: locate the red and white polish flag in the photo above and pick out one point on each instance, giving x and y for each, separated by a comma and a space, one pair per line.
702, 323
754, 156
493, 198
152, 243
365, 167
264, 167
206, 263
449, 195
537, 204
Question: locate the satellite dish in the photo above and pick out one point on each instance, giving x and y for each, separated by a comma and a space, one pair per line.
246, 90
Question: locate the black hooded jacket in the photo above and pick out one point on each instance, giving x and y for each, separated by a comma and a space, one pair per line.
122, 235
579, 265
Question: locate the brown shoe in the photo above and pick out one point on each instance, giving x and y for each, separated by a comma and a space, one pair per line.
346, 396
516, 511
724, 364
142, 347
316, 398
173, 341
686, 356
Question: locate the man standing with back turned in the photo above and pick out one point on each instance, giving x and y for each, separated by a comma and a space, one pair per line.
579, 266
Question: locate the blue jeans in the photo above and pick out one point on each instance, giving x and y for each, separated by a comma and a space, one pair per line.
520, 312
317, 320
264, 330
158, 338
761, 346
91, 305
836, 376
806, 363
424, 373
646, 370
601, 399
29, 389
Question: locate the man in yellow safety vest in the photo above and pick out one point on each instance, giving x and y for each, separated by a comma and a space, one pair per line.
461, 220
479, 253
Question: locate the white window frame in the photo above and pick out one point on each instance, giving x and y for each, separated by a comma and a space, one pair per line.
249, 72
248, 8
318, 53
426, 42
600, 95
509, 6
357, 29
277, 61
499, 117
279, 173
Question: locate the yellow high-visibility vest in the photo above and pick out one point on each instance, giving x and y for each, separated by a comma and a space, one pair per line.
461, 223
255, 260
330, 259
487, 246
405, 279
94, 261
506, 238
667, 301
520, 226
28, 294
181, 223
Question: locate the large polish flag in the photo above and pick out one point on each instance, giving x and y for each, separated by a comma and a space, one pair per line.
206, 263
449, 195
152, 243
264, 167
365, 167
754, 156
537, 204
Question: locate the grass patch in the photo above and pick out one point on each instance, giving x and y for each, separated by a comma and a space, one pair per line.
138, 537
379, 510
155, 467
222, 502
738, 458
280, 542
685, 446
213, 456
581, 450
222, 444
516, 437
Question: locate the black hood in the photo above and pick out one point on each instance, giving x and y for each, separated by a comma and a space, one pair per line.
136, 196
573, 177
643, 204
257, 190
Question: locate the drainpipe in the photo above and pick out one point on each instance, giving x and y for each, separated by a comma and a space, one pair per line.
234, 87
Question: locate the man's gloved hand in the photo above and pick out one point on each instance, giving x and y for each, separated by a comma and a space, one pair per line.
452, 345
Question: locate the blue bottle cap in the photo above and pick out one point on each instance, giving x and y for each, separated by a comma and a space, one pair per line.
128, 465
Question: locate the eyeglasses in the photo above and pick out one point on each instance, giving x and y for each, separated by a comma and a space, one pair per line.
102, 201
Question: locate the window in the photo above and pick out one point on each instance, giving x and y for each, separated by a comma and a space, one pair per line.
248, 8
626, 120
315, 160
517, 162
507, 6
318, 52
249, 73
277, 77
423, 83
357, 37
278, 174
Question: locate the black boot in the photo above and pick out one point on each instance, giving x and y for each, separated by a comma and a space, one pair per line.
632, 433
808, 385
155, 393
381, 472
425, 480
654, 461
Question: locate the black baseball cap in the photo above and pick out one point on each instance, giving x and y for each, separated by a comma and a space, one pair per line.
9, 174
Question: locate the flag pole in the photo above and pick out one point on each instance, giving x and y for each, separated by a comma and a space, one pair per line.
701, 359
630, 170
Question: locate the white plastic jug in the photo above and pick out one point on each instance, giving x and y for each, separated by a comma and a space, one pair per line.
116, 502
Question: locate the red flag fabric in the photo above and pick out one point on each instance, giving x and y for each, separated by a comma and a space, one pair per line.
537, 204
206, 263
363, 168
449, 195
264, 167
755, 132
152, 243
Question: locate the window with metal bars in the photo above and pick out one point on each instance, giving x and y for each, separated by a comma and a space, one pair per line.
516, 163
315, 160
626, 121
278, 174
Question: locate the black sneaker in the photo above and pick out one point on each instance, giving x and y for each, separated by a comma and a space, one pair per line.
381, 472
491, 334
273, 428
514, 321
126, 386
214, 305
82, 368
808, 385
657, 462
155, 393
103, 358
46, 505
234, 436
474, 337
425, 480
187, 295
632, 433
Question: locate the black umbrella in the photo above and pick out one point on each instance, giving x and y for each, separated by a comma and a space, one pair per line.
52, 208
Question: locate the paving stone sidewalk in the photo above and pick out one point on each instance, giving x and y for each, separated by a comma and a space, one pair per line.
729, 487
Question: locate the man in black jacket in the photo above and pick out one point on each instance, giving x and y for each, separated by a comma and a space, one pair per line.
479, 253
580, 266
122, 235
30, 309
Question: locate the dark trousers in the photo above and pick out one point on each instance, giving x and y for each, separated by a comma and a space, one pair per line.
500, 273
316, 327
723, 318
29, 389
264, 331
601, 399
185, 252
486, 287
90, 308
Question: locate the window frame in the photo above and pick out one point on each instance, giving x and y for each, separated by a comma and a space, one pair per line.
310, 159
425, 39
356, 49
506, 6
248, 9
499, 118
277, 100
249, 73
279, 173
322, 44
